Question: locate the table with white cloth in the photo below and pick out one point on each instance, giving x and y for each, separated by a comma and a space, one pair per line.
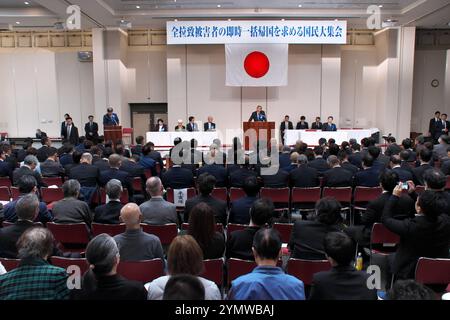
165, 139
312, 137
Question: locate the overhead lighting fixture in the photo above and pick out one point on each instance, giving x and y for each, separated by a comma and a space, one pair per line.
17, 22
282, 19
300, 6
380, 6
27, 3
124, 24
138, 7
218, 6
175, 20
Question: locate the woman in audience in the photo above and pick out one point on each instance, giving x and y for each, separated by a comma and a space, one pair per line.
307, 235
184, 257
102, 282
425, 235
202, 226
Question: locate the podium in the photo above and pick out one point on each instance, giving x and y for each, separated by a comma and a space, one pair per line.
265, 130
113, 133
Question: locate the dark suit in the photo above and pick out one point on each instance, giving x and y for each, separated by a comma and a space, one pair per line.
122, 176
101, 164
178, 178
112, 120
180, 129
218, 171
283, 128
337, 177
108, 213
86, 174
284, 159
350, 167
317, 126
63, 128
157, 128
155, 155
10, 215
192, 127
329, 127
320, 164
393, 149
258, 118
237, 177
134, 169
445, 167
50, 168
356, 159
302, 126
240, 243
209, 126
42, 153
404, 175
278, 180
307, 239
23, 171
341, 283
9, 236
240, 210
6, 170
91, 130
304, 177
219, 207
435, 129
70, 210
137, 149
367, 178
418, 173
419, 237
74, 137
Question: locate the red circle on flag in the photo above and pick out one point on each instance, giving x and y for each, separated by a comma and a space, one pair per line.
256, 64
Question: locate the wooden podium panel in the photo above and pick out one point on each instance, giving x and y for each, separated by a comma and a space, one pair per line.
113, 133
269, 127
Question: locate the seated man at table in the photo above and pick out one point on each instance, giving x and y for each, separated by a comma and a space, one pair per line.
317, 125
329, 126
302, 124
180, 126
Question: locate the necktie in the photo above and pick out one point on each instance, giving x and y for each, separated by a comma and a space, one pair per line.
68, 131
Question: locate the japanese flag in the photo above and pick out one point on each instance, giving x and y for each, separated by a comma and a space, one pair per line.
256, 65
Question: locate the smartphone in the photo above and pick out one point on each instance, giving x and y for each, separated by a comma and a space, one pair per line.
405, 186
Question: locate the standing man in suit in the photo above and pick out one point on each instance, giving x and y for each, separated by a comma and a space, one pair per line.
110, 118
258, 116
317, 125
285, 125
210, 125
71, 133
435, 127
329, 126
160, 126
445, 124
91, 129
191, 126
63, 124
302, 125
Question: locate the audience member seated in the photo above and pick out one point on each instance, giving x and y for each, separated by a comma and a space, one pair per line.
155, 155
278, 180
369, 175
424, 159
393, 148
215, 169
202, 226
134, 244
134, 169
445, 164
76, 158
404, 155
70, 209
206, 183
214, 155
336, 177
157, 211
65, 154
178, 178
396, 166
35, 278
342, 282
137, 149
240, 208
307, 235
407, 146
27, 209
87, 175
380, 161
184, 287
244, 171
29, 168
43, 151
51, 167
184, 257
146, 160
267, 281
239, 245
6, 169
425, 235
114, 172
404, 208
436, 181
345, 163
27, 185
293, 162
102, 282
440, 150
304, 176
410, 290
284, 157
319, 163
100, 158
355, 157
109, 213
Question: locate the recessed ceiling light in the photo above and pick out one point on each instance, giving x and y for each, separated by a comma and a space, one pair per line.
282, 19
299, 5
17, 22
218, 6
138, 7
175, 20
26, 2
380, 6
229, 19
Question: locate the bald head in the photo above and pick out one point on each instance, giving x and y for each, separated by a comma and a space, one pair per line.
154, 187
131, 216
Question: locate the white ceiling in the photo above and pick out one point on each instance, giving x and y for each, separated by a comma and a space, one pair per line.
154, 13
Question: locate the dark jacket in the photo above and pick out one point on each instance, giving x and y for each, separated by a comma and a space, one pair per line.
316, 126
341, 283
215, 248
178, 178
240, 243
219, 207
320, 164
302, 126
418, 173
70, 210
122, 176
404, 175
108, 213
254, 116
278, 180
240, 210
10, 215
91, 132
23, 171
50, 168
6, 170
304, 177
329, 127
206, 126
42, 153
337, 177
420, 236
9, 236
367, 178
86, 174
218, 171
74, 136
237, 177
350, 167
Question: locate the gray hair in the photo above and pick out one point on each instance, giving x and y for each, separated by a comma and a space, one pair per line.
87, 156
71, 188
332, 161
114, 189
27, 206
302, 159
35, 242
153, 186
101, 253
30, 159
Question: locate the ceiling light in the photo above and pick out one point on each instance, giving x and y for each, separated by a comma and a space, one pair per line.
26, 2
299, 5
282, 19
17, 22
218, 6
229, 19
380, 6
138, 7
175, 20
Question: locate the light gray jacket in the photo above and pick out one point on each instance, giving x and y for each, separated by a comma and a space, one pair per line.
158, 211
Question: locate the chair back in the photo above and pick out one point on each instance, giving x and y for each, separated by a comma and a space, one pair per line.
111, 229
214, 271
433, 271
219, 227
53, 181
343, 195
15, 193
64, 263
364, 194
381, 235
305, 195
285, 230
231, 227
137, 184
305, 269
236, 193
5, 182
143, 271
4, 194
166, 232
50, 195
10, 264
220, 193
238, 267
447, 185
277, 195
70, 234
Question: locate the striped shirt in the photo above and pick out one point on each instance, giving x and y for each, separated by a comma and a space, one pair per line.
34, 279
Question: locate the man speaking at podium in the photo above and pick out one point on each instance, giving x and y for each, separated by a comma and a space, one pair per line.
258, 116
110, 118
